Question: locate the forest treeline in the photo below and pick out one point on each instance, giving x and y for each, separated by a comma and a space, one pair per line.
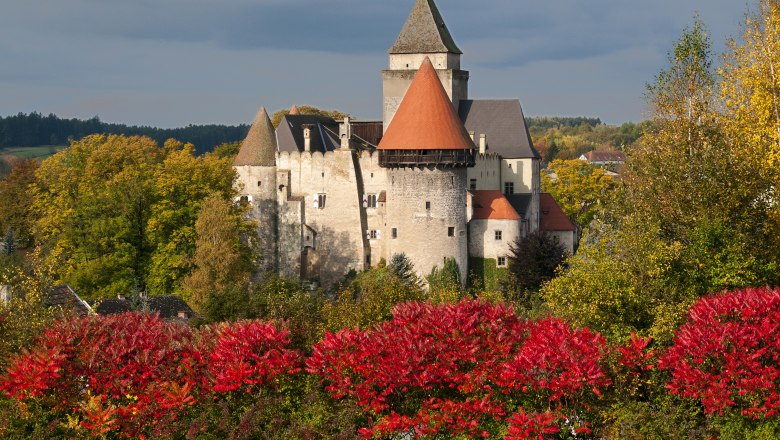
34, 129
555, 137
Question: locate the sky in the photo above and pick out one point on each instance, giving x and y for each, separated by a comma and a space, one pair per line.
170, 63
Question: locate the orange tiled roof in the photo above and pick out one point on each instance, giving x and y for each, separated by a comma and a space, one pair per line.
294, 110
492, 205
553, 218
426, 120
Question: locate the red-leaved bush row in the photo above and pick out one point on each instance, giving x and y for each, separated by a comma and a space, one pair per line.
468, 369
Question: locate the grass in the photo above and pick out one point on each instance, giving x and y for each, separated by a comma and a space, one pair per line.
40, 152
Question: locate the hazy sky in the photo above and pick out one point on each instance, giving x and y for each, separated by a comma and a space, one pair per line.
171, 63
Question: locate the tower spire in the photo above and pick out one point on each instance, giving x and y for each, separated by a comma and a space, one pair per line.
424, 32
259, 146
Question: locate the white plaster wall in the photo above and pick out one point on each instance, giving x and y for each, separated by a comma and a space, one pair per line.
482, 239
566, 238
415, 60
487, 171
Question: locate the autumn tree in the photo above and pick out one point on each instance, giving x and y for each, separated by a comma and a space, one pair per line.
533, 260
16, 214
581, 189
222, 261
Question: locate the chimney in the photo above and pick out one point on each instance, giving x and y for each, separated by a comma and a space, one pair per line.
472, 134
482, 143
307, 139
345, 132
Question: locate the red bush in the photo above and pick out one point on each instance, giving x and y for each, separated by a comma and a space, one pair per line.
448, 369
727, 354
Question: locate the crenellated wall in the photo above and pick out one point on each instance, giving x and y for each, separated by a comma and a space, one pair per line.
486, 171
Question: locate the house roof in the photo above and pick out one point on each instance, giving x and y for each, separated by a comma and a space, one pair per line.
63, 296
294, 110
605, 156
169, 306
492, 205
503, 123
552, 216
113, 306
425, 119
521, 203
259, 146
323, 138
424, 32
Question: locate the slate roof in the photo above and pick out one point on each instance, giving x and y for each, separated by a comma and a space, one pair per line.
113, 306
63, 296
552, 216
169, 306
425, 119
520, 202
259, 146
424, 32
492, 205
324, 133
503, 122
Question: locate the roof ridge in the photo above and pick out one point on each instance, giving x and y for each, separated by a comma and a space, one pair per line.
424, 32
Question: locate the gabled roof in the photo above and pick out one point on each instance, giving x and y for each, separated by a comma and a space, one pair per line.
425, 119
605, 156
503, 122
552, 216
259, 146
63, 296
113, 306
169, 306
492, 205
521, 203
290, 133
424, 32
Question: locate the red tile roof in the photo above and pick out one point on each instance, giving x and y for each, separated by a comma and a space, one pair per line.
553, 218
492, 205
294, 110
426, 120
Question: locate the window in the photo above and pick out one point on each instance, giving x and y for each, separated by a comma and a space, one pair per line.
451, 231
259, 183
473, 184
509, 188
499, 235
501, 261
394, 233
320, 202
373, 234
428, 205
371, 201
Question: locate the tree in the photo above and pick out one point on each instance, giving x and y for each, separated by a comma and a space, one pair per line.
16, 212
582, 190
403, 268
533, 260
222, 262
444, 285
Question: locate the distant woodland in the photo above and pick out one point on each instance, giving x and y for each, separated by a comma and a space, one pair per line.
554, 137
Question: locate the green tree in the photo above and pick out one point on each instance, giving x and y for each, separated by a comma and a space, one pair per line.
533, 260
222, 262
444, 285
403, 268
582, 190
15, 202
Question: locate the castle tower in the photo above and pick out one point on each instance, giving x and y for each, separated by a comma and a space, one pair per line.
424, 35
426, 151
256, 184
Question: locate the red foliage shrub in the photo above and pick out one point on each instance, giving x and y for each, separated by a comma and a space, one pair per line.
126, 372
727, 354
249, 353
449, 368
524, 426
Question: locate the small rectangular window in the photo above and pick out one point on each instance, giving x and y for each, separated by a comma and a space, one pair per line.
501, 261
451, 231
509, 188
394, 232
473, 184
321, 201
371, 201
428, 205
499, 235
372, 234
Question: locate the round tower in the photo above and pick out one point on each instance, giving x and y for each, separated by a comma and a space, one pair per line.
426, 150
255, 165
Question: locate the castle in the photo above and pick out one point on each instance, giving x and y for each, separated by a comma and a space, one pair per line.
441, 176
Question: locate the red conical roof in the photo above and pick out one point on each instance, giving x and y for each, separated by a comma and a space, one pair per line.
426, 120
294, 110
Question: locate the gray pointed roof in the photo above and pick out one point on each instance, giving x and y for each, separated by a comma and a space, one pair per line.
503, 122
424, 32
259, 146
